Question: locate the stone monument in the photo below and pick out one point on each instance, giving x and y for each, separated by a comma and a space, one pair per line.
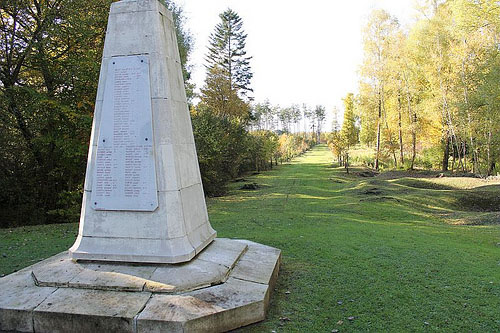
146, 258
143, 198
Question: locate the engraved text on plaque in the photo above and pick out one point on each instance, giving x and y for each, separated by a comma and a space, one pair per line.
124, 170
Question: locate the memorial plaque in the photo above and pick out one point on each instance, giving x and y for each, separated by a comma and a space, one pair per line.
124, 170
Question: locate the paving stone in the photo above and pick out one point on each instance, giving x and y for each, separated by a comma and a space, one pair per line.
57, 272
259, 264
208, 296
223, 251
81, 310
92, 279
18, 297
216, 309
184, 277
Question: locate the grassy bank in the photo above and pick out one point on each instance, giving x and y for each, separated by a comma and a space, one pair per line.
384, 253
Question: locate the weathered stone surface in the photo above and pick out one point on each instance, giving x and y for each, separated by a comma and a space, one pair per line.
223, 251
216, 309
211, 267
184, 277
18, 297
179, 228
169, 313
259, 263
57, 271
226, 299
92, 279
80, 310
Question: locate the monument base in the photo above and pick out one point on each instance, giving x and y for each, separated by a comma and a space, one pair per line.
226, 286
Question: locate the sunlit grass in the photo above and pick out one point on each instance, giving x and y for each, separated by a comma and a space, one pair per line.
389, 252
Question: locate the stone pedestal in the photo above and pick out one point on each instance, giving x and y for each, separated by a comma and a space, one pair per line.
225, 287
143, 200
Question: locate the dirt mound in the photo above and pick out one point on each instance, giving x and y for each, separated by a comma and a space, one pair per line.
422, 184
478, 201
366, 174
372, 191
250, 186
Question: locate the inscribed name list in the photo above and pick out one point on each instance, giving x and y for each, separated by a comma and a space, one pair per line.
124, 170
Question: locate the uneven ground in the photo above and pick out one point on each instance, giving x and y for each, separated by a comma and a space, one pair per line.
383, 253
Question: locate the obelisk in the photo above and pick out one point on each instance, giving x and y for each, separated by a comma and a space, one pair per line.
143, 200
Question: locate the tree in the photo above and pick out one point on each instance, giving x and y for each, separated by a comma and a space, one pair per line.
49, 65
348, 133
377, 41
221, 98
227, 51
319, 114
50, 54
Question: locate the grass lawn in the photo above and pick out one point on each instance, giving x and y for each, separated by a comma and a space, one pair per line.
359, 253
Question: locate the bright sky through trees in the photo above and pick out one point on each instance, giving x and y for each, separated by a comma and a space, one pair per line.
303, 52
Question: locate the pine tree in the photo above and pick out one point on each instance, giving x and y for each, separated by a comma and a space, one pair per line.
227, 50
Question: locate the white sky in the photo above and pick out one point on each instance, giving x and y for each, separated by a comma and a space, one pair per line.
303, 51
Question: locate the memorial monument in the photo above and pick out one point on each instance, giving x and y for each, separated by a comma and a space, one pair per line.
146, 257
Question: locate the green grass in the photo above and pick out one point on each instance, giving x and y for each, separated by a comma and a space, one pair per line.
384, 251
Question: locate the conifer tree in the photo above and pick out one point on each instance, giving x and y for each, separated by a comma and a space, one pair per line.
227, 50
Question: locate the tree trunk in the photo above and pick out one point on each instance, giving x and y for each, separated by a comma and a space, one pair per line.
378, 131
488, 153
401, 155
414, 143
347, 162
446, 155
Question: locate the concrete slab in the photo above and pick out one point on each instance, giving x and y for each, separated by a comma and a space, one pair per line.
185, 277
19, 296
225, 287
80, 310
210, 267
224, 251
259, 264
91, 279
57, 272
216, 309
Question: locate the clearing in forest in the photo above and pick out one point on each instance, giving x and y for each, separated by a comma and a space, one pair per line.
389, 252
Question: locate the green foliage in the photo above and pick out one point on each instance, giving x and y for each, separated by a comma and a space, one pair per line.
435, 83
226, 149
227, 51
221, 98
50, 63
349, 132
220, 144
50, 54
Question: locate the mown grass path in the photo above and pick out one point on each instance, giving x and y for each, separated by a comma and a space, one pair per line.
386, 263
366, 249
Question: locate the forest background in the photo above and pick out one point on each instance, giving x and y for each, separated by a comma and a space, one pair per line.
428, 98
